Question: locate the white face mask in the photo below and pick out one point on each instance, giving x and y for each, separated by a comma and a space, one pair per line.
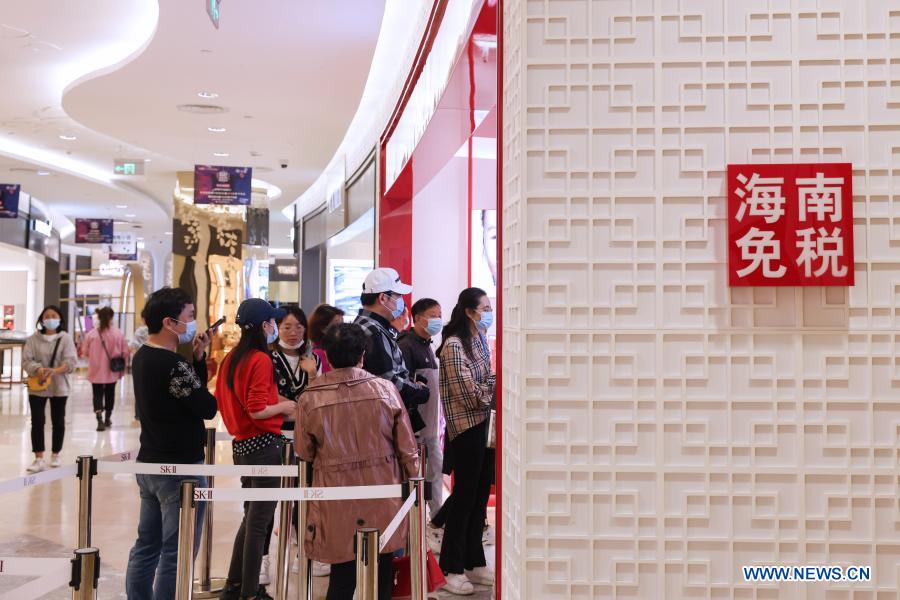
287, 346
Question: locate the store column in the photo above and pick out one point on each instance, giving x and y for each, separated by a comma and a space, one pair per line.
660, 428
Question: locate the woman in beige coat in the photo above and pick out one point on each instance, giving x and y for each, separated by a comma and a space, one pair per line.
353, 428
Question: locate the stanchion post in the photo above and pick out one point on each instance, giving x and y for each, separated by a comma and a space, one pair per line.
184, 574
85, 574
283, 561
418, 566
367, 564
206, 586
423, 458
304, 588
87, 468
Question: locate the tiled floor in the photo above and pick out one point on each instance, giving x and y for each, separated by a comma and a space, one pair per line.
40, 521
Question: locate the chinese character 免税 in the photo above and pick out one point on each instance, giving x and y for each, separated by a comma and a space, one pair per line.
820, 196
766, 199
762, 249
829, 248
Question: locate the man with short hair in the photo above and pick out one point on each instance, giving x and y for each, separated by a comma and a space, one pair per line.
382, 302
415, 345
173, 402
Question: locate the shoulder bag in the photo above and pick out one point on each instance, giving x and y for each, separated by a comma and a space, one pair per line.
35, 383
116, 363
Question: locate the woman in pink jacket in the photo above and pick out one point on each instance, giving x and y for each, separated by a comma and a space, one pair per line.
101, 345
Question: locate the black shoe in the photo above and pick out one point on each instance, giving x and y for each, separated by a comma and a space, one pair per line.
108, 422
262, 594
231, 592
100, 426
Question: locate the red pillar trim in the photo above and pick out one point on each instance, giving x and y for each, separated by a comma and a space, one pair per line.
498, 501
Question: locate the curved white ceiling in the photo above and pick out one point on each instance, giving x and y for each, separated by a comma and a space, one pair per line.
290, 74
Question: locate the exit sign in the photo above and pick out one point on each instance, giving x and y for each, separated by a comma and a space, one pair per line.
128, 166
212, 9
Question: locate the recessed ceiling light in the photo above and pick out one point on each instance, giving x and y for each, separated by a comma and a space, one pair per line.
148, 160
217, 129
207, 94
130, 215
43, 173
202, 109
68, 137
168, 233
121, 206
221, 154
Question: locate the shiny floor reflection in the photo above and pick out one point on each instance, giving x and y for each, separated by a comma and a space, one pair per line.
40, 521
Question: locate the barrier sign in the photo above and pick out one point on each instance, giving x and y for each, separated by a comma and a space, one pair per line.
790, 225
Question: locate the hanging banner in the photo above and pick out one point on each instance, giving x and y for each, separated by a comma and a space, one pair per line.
790, 225
93, 231
222, 185
123, 247
257, 226
9, 201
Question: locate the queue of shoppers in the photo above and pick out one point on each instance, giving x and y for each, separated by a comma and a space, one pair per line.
361, 398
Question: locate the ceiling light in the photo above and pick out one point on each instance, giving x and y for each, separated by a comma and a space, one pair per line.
43, 173
121, 206
68, 137
168, 233
207, 94
217, 129
221, 154
147, 160
130, 216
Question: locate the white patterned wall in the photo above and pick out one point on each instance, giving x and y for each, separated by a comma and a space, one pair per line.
660, 429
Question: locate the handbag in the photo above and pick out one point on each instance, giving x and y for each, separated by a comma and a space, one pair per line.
116, 363
402, 583
35, 383
492, 430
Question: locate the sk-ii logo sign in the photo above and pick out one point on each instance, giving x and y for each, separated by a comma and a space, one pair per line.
200, 495
168, 469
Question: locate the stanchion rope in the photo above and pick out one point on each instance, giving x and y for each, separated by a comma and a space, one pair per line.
358, 492
198, 469
26, 481
395, 522
51, 574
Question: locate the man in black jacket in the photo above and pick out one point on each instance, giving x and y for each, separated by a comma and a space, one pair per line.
173, 401
382, 301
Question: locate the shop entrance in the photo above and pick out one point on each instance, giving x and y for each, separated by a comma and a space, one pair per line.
438, 192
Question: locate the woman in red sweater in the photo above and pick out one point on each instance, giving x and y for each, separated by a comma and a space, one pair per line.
248, 401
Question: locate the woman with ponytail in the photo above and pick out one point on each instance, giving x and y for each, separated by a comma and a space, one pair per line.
101, 344
467, 395
253, 414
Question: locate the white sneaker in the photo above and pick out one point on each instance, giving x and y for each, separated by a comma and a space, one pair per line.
54, 461
264, 578
37, 466
481, 576
458, 584
320, 569
488, 537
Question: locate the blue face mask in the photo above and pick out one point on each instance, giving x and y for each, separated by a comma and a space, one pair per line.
401, 306
271, 337
188, 336
487, 319
435, 326
50, 324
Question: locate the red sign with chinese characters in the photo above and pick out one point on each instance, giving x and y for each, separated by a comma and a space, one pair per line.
790, 224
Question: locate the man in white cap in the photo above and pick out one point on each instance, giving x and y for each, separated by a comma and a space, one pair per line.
382, 302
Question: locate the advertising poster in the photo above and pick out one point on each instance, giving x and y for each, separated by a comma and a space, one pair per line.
257, 226
222, 185
123, 247
484, 251
9, 201
93, 231
345, 282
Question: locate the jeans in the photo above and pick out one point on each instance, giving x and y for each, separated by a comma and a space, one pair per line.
153, 559
38, 406
473, 465
104, 397
342, 581
246, 556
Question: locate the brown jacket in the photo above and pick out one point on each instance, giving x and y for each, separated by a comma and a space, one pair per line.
354, 430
